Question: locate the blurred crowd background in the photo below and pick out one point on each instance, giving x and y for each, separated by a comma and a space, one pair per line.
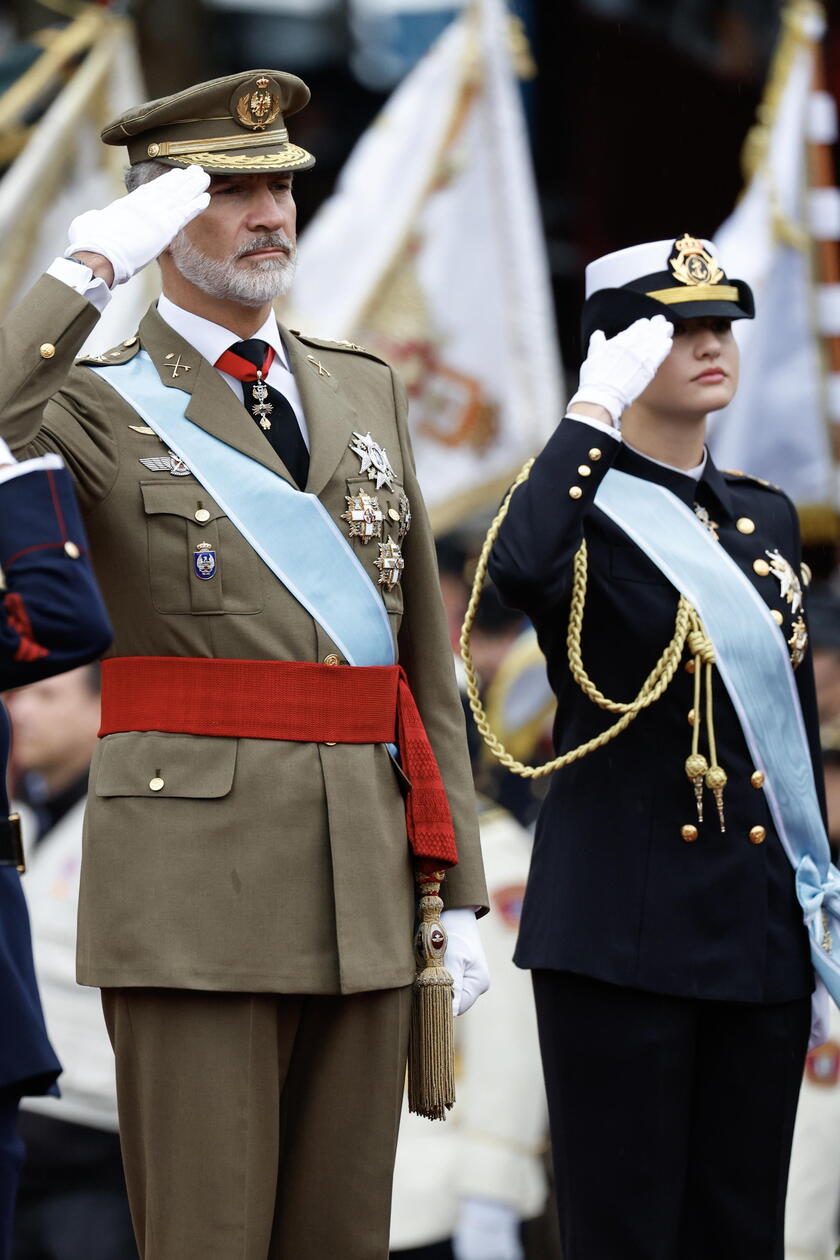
635, 116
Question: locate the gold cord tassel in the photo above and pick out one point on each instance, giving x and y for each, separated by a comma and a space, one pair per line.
696, 764
431, 1049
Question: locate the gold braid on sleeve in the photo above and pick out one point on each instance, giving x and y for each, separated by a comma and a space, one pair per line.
688, 630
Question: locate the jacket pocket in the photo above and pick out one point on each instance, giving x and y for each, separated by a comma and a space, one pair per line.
152, 763
198, 561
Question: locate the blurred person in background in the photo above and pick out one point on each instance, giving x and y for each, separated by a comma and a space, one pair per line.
72, 1203
51, 619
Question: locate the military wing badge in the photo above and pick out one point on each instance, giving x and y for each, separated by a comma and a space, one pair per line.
364, 516
170, 463
373, 460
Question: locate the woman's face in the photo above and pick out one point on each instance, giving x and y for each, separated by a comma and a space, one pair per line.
700, 373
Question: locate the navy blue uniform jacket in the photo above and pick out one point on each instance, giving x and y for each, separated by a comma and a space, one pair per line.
51, 619
614, 891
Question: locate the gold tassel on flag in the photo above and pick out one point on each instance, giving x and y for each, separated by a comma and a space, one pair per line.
431, 1048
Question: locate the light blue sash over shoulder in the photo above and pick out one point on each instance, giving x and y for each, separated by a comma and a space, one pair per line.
752, 657
289, 529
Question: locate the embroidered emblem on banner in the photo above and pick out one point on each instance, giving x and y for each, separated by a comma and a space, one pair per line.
508, 902
166, 463
390, 564
822, 1066
364, 516
789, 585
373, 460
204, 561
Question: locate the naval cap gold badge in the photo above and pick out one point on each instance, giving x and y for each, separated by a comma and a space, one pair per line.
692, 263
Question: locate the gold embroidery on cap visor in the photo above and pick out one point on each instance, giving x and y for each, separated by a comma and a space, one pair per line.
289, 158
696, 293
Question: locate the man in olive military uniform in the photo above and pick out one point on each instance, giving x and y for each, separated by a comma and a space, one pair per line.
247, 897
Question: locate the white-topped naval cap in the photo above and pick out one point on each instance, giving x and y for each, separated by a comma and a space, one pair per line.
613, 271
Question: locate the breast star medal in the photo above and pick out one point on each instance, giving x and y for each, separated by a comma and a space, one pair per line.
204, 561
364, 516
261, 408
798, 642
390, 564
373, 459
789, 584
170, 463
703, 517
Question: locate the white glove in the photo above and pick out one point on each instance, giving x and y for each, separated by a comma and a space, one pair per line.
133, 230
464, 958
486, 1230
615, 371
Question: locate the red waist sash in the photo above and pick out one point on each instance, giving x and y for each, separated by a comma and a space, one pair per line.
293, 700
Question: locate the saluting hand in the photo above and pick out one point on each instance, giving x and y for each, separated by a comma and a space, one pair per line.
133, 230
617, 369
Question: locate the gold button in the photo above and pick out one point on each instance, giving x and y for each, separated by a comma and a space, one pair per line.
394, 514
757, 835
689, 667
757, 778
202, 515
584, 470
155, 784
153, 150
805, 571
71, 550
691, 717
777, 616
332, 659
689, 833
594, 454
744, 525
575, 492
761, 567
47, 350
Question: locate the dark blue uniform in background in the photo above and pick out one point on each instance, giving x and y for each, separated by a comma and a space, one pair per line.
51, 619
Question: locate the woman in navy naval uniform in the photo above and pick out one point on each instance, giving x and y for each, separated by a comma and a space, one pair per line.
671, 965
51, 619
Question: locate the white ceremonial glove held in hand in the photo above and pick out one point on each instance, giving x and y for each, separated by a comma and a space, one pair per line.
615, 371
487, 1230
464, 958
133, 230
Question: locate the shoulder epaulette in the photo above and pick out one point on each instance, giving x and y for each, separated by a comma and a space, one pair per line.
323, 343
119, 354
759, 481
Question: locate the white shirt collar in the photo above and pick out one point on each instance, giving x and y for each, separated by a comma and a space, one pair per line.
211, 340
694, 473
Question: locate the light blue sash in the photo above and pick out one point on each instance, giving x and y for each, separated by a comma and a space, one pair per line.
291, 530
752, 657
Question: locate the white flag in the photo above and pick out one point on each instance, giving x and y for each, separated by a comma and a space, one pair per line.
431, 254
778, 425
65, 169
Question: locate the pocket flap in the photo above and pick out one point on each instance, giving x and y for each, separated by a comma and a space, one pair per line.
197, 766
174, 499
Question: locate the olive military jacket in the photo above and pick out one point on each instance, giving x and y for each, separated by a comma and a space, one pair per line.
260, 865
626, 884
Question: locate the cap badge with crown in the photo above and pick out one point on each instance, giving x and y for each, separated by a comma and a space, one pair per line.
693, 264
258, 109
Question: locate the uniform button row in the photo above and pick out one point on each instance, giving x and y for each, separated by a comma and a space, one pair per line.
690, 833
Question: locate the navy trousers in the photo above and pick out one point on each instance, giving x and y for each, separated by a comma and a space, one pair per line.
671, 1120
11, 1158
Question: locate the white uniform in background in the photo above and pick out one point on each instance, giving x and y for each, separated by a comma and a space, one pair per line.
813, 1197
482, 1170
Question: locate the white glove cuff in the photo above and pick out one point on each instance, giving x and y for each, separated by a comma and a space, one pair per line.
601, 396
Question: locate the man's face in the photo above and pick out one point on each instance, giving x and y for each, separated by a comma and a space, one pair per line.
242, 247
54, 723
700, 373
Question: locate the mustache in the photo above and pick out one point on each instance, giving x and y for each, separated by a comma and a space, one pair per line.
269, 240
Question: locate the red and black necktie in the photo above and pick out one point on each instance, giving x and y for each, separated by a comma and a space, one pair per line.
249, 362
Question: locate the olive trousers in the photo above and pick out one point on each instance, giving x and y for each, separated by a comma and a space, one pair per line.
258, 1126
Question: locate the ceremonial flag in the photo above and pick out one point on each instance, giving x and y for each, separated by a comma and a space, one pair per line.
64, 169
782, 239
430, 253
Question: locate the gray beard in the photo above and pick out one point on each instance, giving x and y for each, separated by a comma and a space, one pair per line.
262, 282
